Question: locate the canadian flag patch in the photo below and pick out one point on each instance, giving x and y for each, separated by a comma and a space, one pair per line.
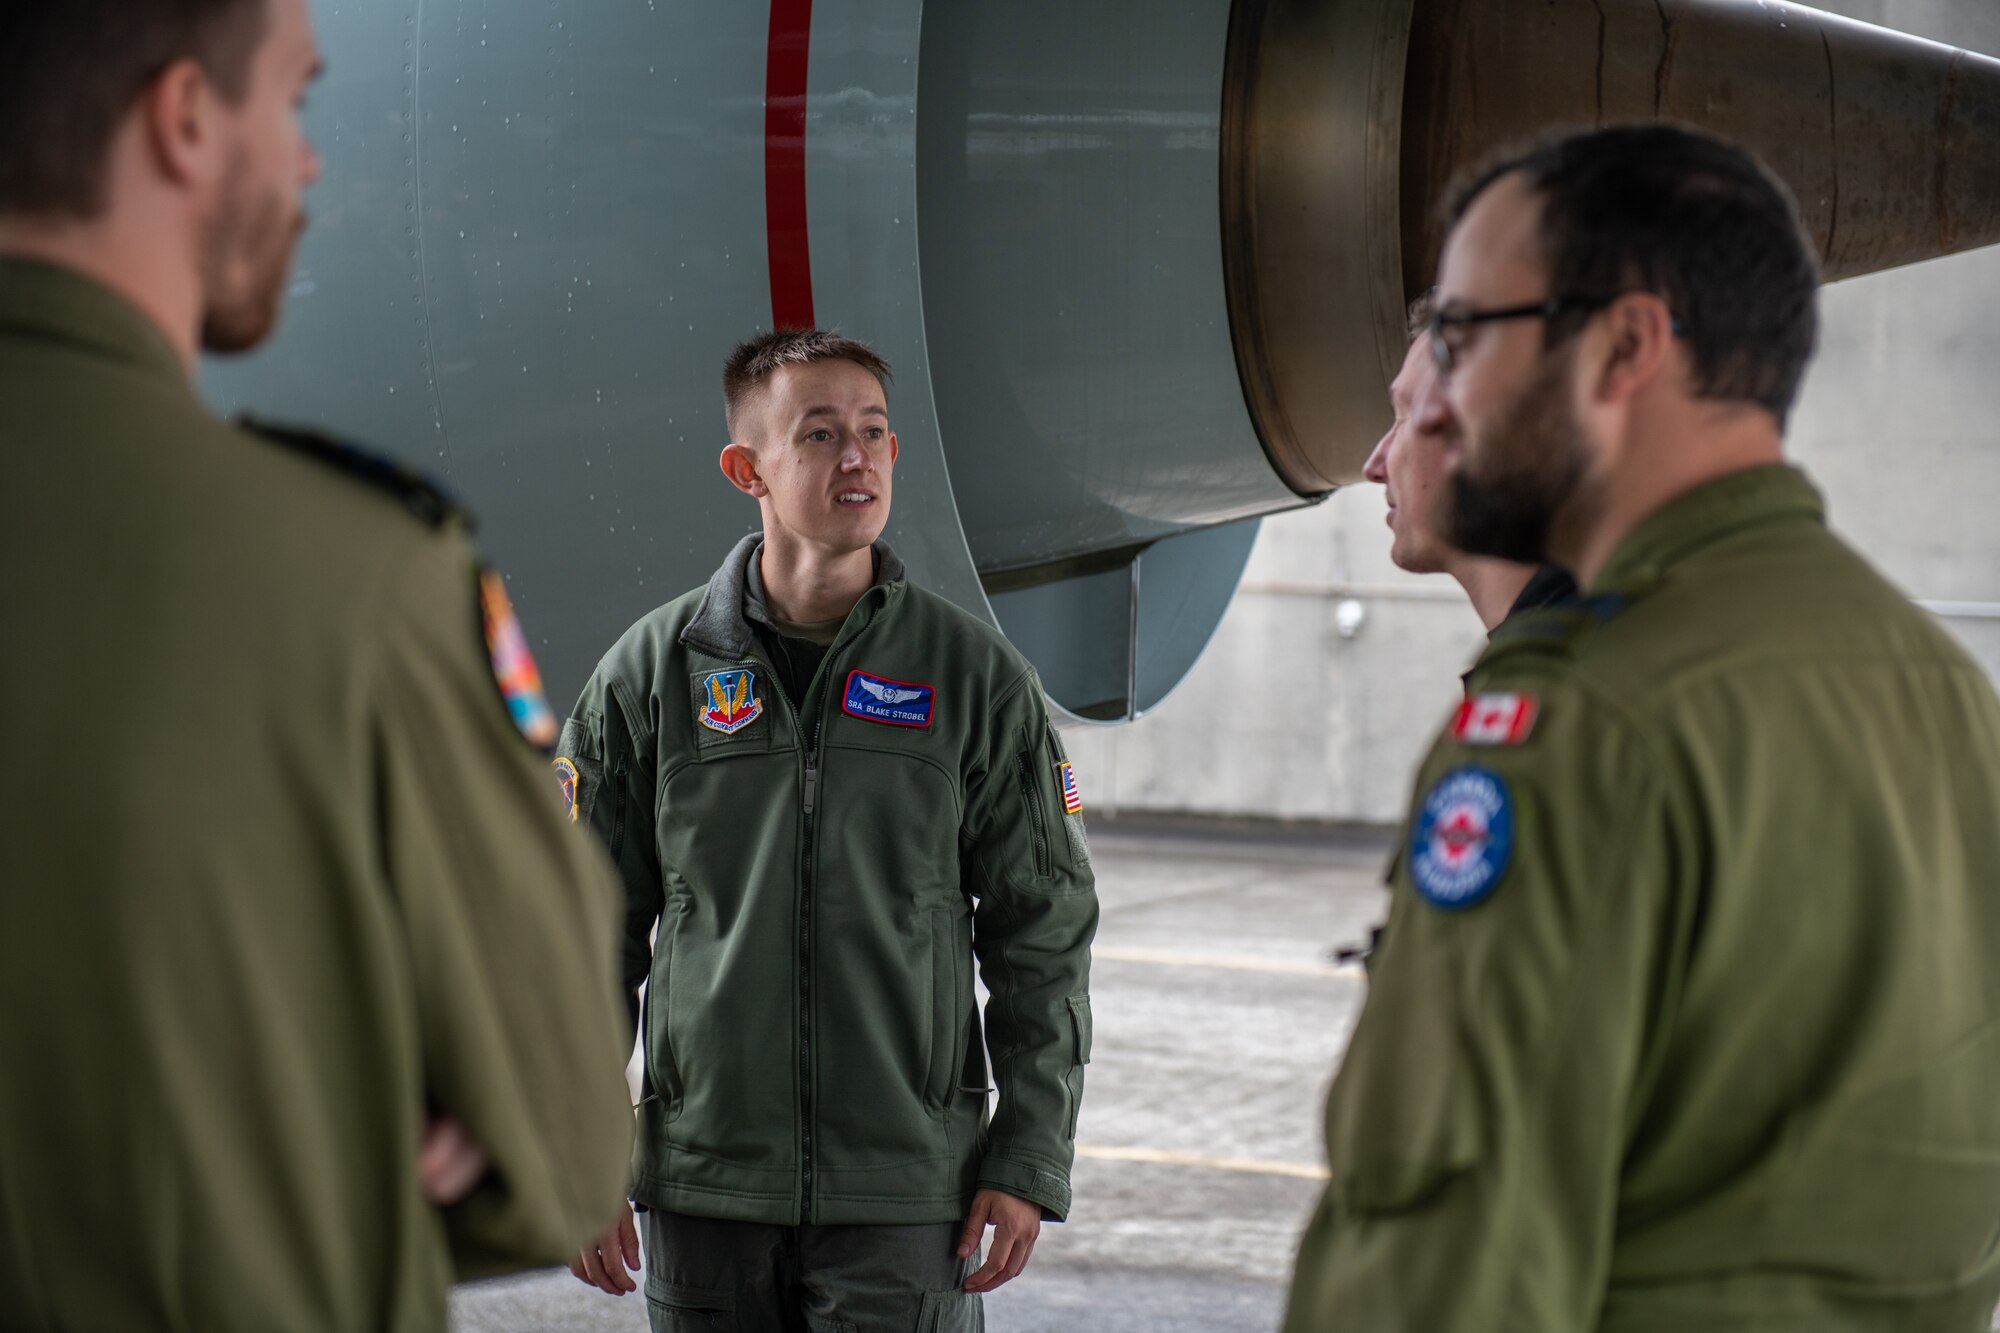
1494, 719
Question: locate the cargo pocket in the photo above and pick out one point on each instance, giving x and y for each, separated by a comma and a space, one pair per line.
953, 1311
1403, 1118
1079, 1018
678, 1309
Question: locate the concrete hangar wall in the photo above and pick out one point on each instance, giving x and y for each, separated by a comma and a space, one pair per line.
1332, 668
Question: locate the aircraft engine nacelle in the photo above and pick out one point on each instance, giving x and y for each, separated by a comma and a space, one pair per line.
1140, 267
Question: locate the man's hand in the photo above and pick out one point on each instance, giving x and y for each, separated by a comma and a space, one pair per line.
450, 1162
599, 1264
1015, 1223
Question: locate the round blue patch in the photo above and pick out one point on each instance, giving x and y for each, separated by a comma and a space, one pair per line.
1463, 839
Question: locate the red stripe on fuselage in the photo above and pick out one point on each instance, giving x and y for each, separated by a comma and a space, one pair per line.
785, 164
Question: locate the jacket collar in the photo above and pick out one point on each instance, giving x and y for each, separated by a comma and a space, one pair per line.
50, 303
720, 628
1711, 511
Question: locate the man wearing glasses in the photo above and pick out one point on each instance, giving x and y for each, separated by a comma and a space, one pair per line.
1685, 1018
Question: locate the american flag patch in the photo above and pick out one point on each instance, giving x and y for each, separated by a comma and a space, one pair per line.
1495, 719
1072, 798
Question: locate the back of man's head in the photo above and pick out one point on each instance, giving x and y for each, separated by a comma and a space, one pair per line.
1693, 219
753, 363
70, 71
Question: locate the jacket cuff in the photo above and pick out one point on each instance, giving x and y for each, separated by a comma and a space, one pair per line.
1036, 1184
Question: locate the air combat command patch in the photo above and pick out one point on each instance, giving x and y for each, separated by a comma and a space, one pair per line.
514, 668
1463, 839
729, 701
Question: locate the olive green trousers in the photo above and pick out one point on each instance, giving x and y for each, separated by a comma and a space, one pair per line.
749, 1277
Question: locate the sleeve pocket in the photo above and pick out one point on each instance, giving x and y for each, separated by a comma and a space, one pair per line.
1079, 1018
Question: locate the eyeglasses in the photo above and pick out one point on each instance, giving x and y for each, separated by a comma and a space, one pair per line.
1442, 322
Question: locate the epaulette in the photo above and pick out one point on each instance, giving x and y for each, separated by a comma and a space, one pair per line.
422, 495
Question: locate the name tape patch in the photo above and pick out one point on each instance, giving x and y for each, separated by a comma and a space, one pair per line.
1463, 839
729, 701
1495, 719
894, 703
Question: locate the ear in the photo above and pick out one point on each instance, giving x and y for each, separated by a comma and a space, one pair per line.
1636, 345
180, 109
739, 464
894, 448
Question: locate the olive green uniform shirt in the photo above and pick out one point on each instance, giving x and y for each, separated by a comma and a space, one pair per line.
280, 876
1687, 1015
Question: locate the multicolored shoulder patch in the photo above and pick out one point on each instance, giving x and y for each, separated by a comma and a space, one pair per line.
514, 668
894, 703
1495, 719
1071, 794
1463, 839
566, 778
729, 700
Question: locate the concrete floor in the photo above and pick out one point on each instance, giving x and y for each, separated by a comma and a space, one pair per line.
1218, 1019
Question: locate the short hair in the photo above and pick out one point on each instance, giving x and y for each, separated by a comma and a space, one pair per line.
754, 362
71, 69
1691, 218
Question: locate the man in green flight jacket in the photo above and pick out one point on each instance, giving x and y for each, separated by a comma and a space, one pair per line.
831, 791
1684, 1018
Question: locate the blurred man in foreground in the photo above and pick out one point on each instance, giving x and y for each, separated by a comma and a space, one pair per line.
306, 997
1686, 1015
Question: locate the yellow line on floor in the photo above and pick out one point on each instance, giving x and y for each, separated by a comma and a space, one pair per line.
1171, 959
1161, 1157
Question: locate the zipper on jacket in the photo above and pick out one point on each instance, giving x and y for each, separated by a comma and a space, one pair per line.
618, 808
809, 802
805, 983
1034, 799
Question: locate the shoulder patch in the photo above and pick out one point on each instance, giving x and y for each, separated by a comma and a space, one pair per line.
1495, 719
1072, 794
1463, 838
566, 778
421, 494
514, 669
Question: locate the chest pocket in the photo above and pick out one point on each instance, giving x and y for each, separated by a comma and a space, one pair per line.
1403, 1118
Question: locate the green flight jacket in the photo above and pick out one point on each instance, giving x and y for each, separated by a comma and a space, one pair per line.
821, 885
1687, 1016
281, 875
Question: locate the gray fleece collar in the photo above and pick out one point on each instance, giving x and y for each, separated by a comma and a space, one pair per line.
720, 628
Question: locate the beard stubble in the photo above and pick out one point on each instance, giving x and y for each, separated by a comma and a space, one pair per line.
246, 262
1535, 459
